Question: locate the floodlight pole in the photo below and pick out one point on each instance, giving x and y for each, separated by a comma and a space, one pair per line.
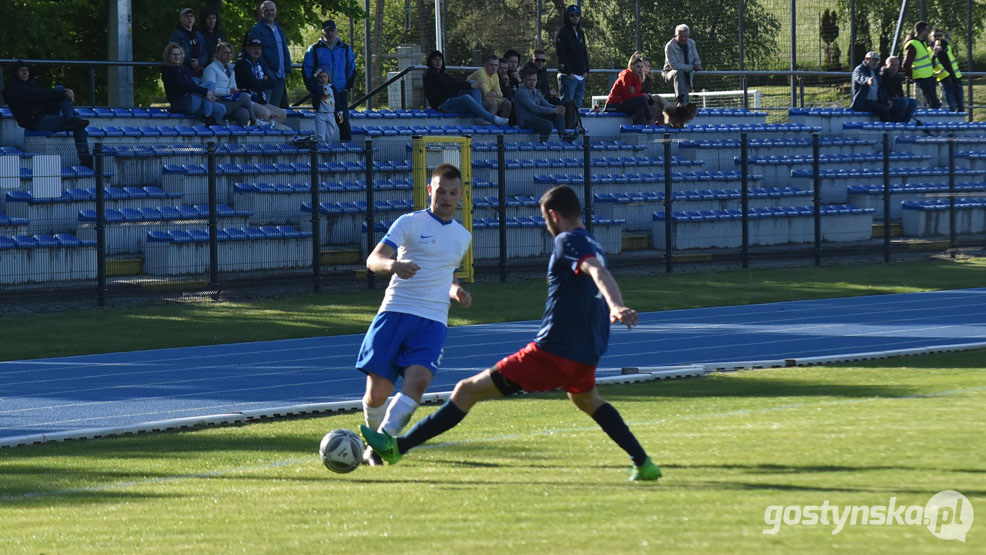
438, 26
900, 21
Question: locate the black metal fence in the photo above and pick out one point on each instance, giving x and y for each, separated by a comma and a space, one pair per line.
165, 222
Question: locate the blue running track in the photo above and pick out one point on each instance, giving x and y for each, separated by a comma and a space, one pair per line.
65, 395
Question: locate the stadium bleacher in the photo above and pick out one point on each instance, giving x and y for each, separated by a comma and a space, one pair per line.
156, 185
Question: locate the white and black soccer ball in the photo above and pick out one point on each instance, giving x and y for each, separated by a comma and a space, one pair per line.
341, 451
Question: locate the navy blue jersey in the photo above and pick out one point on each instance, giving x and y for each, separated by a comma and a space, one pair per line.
576, 319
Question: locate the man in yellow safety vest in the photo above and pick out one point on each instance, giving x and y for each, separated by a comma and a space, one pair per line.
952, 84
919, 64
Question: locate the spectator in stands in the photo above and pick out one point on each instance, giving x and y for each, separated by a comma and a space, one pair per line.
326, 114
649, 86
211, 33
535, 112
868, 95
489, 84
503, 74
627, 95
184, 94
448, 94
251, 77
513, 68
333, 56
239, 107
276, 59
37, 109
952, 83
681, 61
891, 80
573, 58
538, 62
191, 42
919, 64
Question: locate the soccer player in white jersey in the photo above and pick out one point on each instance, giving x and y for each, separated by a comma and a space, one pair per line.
407, 336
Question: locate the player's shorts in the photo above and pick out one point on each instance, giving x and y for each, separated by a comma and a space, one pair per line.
396, 340
534, 369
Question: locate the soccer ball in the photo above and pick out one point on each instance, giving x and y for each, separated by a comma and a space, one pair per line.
341, 451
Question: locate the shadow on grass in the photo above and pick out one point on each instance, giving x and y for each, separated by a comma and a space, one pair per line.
714, 386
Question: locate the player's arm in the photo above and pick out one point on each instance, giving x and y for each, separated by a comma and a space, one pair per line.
457, 293
382, 260
618, 312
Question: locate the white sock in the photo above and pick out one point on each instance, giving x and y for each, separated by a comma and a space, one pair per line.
398, 414
374, 415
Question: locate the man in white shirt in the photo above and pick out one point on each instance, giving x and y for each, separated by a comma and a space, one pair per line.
407, 336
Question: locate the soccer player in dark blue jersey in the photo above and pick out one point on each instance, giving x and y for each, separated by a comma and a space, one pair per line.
583, 299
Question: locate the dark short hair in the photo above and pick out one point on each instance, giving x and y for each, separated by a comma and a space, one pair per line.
562, 199
434, 54
528, 71
920, 27
447, 171
493, 57
539, 51
510, 53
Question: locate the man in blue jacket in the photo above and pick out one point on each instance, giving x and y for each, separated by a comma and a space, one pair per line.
868, 95
276, 60
336, 58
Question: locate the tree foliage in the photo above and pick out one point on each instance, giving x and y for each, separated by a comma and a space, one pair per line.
714, 26
78, 30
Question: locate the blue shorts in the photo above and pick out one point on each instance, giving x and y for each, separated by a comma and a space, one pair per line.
396, 340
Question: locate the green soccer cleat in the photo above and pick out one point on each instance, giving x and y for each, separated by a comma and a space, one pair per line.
383, 444
645, 472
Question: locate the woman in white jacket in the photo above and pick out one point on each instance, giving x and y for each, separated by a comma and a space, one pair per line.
239, 107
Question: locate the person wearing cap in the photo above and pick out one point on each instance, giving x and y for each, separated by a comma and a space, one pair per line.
37, 109
573, 57
333, 56
191, 41
276, 60
681, 61
868, 95
251, 78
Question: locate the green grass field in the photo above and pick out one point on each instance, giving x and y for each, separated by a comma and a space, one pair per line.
533, 474
529, 473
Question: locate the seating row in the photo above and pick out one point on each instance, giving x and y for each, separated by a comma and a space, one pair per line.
767, 226
569, 162
834, 186
44, 258
185, 252
726, 130
871, 196
926, 218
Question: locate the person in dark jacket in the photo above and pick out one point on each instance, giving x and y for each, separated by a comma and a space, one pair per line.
448, 94
891, 79
250, 76
333, 56
951, 85
213, 35
573, 58
191, 41
42, 110
184, 94
868, 95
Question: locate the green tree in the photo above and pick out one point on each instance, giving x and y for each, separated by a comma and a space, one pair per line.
77, 30
830, 32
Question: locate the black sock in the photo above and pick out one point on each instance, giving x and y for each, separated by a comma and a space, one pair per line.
439, 422
612, 423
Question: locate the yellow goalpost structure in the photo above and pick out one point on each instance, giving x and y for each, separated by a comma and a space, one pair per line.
427, 153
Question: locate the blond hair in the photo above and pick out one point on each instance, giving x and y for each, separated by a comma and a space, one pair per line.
167, 50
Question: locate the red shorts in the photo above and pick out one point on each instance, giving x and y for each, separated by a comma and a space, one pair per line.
534, 369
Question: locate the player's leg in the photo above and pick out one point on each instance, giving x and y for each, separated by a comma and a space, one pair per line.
420, 354
402, 407
378, 389
612, 423
485, 385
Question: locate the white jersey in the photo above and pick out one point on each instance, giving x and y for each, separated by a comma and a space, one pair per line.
437, 248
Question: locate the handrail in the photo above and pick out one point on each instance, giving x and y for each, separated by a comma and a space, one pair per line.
385, 84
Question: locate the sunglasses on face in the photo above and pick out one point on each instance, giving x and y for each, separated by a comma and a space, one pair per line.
540, 60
